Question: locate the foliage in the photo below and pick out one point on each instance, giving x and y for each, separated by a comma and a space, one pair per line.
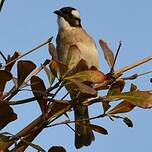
87, 82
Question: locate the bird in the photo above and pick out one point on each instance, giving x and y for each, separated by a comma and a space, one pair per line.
71, 33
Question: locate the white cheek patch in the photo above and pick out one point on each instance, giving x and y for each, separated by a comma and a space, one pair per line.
76, 13
62, 23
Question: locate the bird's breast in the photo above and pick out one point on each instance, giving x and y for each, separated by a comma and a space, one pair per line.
78, 37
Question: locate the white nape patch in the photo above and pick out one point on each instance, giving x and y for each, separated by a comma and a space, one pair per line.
62, 23
76, 13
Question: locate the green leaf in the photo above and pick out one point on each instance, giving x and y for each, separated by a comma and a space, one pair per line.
49, 74
73, 57
107, 53
2, 143
116, 87
141, 99
93, 76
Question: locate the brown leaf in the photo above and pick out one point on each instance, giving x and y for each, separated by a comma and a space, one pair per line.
58, 68
141, 99
96, 128
73, 57
24, 68
57, 149
99, 87
4, 77
122, 107
133, 87
6, 114
107, 53
83, 88
57, 108
13, 57
105, 105
53, 51
49, 74
93, 76
116, 87
128, 122
39, 91
81, 66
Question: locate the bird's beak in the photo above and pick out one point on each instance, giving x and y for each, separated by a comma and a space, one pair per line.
58, 12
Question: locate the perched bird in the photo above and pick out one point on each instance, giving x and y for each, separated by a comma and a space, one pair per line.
70, 32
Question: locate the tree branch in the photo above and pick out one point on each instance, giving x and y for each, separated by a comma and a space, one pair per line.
117, 73
28, 52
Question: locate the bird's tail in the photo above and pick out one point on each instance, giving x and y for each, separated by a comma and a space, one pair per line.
83, 135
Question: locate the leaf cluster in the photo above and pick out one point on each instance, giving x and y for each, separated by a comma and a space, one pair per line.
86, 83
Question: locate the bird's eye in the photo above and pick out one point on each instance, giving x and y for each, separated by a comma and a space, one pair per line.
70, 15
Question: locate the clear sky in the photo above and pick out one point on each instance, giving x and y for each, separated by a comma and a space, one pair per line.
24, 24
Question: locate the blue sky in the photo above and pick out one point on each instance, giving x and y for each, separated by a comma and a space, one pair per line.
24, 24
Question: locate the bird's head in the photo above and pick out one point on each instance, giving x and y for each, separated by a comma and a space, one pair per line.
68, 17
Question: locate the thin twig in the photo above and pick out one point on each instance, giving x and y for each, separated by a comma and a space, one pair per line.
25, 131
59, 88
22, 101
117, 52
134, 76
141, 74
14, 91
76, 121
65, 95
71, 128
36, 71
3, 56
28, 52
54, 87
117, 73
